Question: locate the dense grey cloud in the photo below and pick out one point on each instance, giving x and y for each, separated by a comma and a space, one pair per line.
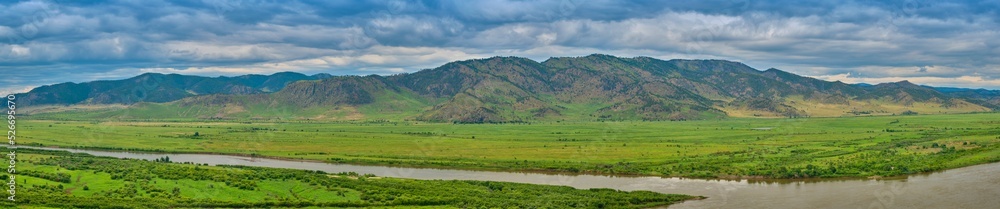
948, 43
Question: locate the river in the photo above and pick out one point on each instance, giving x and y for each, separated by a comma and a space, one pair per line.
969, 187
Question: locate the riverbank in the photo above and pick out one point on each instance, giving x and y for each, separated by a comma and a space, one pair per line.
856, 147
64, 180
961, 186
537, 171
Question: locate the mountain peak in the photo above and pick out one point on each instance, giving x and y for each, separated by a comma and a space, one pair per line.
714, 65
596, 55
148, 74
903, 83
491, 59
321, 75
288, 73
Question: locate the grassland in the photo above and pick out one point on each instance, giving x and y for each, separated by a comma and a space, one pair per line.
725, 148
53, 179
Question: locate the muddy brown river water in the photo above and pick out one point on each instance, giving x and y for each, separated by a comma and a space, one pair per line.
969, 187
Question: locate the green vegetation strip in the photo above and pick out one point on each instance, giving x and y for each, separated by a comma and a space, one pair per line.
66, 180
725, 148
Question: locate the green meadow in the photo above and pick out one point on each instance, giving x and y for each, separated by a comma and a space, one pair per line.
723, 148
56, 179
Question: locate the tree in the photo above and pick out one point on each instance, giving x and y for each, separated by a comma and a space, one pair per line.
196, 134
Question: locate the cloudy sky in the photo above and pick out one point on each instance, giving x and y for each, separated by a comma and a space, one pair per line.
941, 43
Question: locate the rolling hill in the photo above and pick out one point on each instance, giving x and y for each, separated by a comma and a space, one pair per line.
510, 89
988, 98
154, 87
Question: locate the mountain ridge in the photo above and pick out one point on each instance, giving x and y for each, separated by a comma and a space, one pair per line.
156, 87
593, 87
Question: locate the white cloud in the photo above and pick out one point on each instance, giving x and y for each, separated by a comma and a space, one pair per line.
874, 42
376, 60
4, 91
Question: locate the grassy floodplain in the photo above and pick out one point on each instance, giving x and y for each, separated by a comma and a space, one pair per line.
725, 148
63, 180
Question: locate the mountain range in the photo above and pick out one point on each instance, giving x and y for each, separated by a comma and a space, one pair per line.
155, 87
509, 89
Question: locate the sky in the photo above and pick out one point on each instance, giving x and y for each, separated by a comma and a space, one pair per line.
939, 43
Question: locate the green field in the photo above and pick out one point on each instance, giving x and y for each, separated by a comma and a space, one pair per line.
62, 180
725, 148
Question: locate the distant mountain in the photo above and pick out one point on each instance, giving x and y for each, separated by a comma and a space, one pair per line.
510, 89
154, 87
988, 98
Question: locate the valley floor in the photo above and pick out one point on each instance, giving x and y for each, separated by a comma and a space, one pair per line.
726, 148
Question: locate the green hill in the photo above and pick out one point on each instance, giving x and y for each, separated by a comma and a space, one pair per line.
513, 89
154, 87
